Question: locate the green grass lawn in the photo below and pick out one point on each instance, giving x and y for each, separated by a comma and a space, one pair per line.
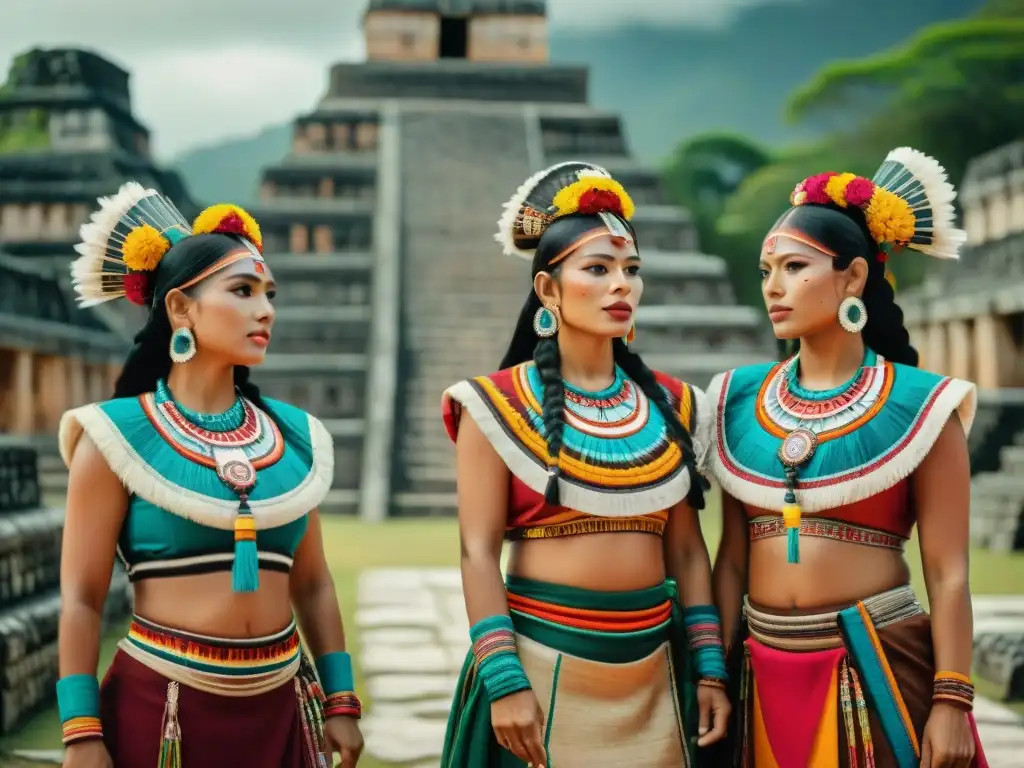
353, 546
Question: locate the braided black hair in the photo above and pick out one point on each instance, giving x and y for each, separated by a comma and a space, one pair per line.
149, 360
844, 231
545, 354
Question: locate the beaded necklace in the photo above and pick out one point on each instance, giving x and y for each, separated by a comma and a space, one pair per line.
223, 438
808, 415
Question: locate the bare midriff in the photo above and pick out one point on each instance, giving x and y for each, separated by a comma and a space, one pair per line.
205, 604
830, 575
603, 562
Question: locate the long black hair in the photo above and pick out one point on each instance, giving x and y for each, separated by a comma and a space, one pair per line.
149, 359
525, 345
845, 233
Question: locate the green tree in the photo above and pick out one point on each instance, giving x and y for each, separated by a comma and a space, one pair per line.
954, 91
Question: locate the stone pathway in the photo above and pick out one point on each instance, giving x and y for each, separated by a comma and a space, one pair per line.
414, 636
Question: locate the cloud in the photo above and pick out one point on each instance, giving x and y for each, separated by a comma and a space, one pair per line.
708, 14
208, 69
201, 69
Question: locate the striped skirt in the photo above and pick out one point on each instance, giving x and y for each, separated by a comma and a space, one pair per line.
171, 698
610, 671
846, 688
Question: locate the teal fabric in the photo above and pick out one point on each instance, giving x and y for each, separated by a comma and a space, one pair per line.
756, 450
152, 534
877, 689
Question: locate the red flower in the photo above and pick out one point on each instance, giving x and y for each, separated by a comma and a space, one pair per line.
136, 288
859, 191
600, 201
231, 224
815, 188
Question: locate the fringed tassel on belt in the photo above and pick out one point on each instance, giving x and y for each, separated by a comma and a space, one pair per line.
170, 747
851, 697
311, 714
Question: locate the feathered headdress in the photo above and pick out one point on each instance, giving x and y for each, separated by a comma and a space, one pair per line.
124, 241
561, 190
908, 203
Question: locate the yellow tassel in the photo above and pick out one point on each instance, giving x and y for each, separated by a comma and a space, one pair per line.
791, 517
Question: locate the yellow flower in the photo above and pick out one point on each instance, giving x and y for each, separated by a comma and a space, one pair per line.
835, 188
229, 219
889, 218
143, 248
567, 201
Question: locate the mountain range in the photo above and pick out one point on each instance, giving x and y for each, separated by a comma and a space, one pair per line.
668, 83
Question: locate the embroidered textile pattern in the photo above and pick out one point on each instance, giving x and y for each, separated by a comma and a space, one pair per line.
784, 406
805, 418
255, 435
607, 433
614, 438
236, 454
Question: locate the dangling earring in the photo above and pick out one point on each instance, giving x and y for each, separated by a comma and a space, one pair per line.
630, 336
853, 315
183, 345
545, 323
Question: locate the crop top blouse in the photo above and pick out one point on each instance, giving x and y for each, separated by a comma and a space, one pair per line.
859, 443
181, 516
619, 471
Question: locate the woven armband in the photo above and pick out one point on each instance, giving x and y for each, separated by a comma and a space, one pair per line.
78, 701
497, 663
335, 671
704, 633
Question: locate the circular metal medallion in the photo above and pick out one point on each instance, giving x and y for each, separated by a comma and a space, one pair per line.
240, 475
798, 447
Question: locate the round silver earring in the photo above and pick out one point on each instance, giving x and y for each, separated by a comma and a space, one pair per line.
545, 323
183, 345
853, 315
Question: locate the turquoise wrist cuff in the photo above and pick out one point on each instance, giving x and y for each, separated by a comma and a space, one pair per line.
335, 671
704, 632
497, 662
78, 702
78, 696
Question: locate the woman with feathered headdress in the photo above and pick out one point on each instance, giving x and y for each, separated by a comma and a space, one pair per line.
827, 461
601, 648
207, 493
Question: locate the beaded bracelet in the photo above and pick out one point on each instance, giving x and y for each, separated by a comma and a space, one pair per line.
78, 701
704, 632
494, 653
953, 688
335, 671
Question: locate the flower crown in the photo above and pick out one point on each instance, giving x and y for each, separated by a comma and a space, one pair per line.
562, 190
125, 240
908, 203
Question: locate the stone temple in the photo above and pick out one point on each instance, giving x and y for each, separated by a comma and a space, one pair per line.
382, 217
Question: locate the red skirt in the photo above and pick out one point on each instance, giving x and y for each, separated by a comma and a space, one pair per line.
179, 700
262, 731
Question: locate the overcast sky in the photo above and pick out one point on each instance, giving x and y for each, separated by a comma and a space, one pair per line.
208, 69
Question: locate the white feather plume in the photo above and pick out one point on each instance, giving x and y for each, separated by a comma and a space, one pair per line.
908, 173
98, 272
507, 222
